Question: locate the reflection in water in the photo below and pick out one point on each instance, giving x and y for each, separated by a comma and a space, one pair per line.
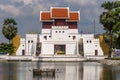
109, 73
63, 71
7, 71
92, 71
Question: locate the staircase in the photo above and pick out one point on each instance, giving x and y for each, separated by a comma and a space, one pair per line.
80, 47
38, 46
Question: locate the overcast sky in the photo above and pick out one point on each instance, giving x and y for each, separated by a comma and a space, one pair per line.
26, 13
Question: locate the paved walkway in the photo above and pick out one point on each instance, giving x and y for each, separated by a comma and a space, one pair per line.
50, 58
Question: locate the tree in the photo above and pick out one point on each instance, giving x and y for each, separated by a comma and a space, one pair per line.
7, 48
109, 18
9, 30
116, 30
116, 42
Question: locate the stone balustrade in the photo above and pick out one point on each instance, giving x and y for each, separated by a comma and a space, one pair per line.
59, 27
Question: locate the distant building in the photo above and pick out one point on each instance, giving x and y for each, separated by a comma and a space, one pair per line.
59, 36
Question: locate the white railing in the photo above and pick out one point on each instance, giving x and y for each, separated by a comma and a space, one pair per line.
59, 27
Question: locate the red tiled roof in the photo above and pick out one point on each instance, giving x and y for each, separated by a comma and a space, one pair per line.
45, 16
59, 13
74, 16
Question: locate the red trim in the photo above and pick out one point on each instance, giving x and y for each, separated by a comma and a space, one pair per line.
59, 22
47, 25
72, 25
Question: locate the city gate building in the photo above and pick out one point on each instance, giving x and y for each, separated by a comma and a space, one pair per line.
59, 37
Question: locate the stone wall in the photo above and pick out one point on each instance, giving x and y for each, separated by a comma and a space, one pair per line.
110, 62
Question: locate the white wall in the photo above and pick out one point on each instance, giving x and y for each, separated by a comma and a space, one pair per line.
71, 48
47, 48
21, 47
90, 36
31, 47
98, 47
45, 31
73, 31
60, 39
90, 44
59, 35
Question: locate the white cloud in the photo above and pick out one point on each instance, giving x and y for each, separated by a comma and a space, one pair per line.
36, 5
10, 9
43, 7
83, 2
27, 2
39, 8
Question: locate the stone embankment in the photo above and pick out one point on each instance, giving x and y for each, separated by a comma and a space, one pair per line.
110, 62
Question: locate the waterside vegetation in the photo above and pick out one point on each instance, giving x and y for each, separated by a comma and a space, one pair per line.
9, 31
110, 19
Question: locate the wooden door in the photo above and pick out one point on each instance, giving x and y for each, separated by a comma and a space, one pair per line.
23, 52
96, 52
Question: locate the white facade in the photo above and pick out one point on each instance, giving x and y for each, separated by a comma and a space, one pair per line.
59, 36
62, 37
90, 45
27, 45
21, 47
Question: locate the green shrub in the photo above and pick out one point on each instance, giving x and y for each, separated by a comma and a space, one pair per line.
7, 48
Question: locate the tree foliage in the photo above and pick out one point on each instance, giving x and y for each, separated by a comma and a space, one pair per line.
9, 29
7, 48
110, 20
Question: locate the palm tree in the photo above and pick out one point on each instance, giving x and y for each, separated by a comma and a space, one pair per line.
108, 19
9, 30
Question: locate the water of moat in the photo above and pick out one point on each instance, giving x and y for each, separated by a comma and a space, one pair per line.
63, 71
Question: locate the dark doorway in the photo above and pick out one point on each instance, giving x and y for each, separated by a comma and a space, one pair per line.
23, 52
59, 49
96, 52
